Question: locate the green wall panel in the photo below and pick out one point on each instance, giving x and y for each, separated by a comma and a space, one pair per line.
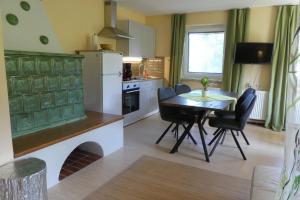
45, 90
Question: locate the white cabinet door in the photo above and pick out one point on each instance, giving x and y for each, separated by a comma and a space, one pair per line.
143, 44
145, 93
111, 63
154, 100
148, 42
112, 94
135, 47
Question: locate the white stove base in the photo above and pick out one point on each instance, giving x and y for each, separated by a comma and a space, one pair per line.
109, 138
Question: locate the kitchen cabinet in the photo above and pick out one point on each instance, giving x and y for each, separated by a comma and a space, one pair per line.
143, 44
148, 101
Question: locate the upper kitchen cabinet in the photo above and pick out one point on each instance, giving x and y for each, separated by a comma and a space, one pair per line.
143, 44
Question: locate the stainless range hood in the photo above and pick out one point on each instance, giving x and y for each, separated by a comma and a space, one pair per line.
110, 29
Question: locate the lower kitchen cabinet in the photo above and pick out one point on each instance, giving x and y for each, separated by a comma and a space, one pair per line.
148, 101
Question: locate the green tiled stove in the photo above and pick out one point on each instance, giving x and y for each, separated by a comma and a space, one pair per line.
45, 90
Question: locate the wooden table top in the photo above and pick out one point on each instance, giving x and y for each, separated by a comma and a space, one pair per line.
41, 139
215, 105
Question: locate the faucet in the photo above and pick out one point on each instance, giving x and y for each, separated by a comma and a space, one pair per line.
141, 69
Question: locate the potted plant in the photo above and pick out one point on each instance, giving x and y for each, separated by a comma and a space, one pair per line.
204, 82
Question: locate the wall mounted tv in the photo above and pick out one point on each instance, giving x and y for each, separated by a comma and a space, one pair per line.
253, 53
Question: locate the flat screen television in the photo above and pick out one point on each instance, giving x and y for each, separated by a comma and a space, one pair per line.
253, 53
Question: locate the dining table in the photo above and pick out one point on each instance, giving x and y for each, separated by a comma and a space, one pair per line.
215, 100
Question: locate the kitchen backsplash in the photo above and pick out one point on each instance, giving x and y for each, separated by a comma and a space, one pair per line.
152, 66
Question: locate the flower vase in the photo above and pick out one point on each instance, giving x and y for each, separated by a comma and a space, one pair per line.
204, 93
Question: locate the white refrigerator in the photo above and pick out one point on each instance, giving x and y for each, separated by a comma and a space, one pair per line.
102, 81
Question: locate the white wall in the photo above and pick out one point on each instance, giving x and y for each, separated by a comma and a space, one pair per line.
32, 24
6, 150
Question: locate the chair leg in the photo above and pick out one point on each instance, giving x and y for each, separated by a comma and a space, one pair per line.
203, 122
216, 131
164, 133
223, 138
217, 142
175, 131
238, 145
237, 133
244, 136
216, 136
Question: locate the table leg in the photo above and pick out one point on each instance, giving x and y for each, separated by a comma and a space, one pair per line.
203, 140
184, 134
204, 120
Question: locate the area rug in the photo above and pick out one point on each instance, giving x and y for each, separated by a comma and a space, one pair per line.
155, 179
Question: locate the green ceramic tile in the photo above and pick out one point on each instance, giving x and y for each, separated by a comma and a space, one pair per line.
12, 65
9, 87
76, 82
38, 84
13, 123
25, 122
79, 109
53, 83
65, 82
28, 66
31, 103
16, 105
47, 100
44, 65
55, 115
40, 118
78, 64
20, 85
67, 112
75, 96
44, 90
61, 98
58, 66
70, 66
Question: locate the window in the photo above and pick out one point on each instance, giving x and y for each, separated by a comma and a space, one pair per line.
204, 52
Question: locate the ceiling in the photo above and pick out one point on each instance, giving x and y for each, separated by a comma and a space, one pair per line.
160, 7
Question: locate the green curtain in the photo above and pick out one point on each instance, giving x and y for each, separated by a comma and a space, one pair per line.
284, 33
177, 43
236, 31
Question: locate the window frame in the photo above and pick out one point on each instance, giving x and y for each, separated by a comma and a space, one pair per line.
186, 75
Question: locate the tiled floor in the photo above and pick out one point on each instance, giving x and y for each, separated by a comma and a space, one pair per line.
266, 148
76, 161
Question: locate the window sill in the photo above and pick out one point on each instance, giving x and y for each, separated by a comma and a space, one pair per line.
217, 81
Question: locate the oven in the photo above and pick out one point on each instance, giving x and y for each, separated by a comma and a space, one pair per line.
130, 97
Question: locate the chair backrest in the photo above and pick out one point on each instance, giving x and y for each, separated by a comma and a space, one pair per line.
246, 93
244, 110
164, 94
182, 88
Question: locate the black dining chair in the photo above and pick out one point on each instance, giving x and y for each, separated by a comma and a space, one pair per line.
238, 123
182, 88
173, 115
231, 114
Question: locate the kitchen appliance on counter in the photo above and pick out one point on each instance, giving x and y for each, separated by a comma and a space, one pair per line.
127, 72
130, 97
102, 81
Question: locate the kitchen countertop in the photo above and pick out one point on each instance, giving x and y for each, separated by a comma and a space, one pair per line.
141, 80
